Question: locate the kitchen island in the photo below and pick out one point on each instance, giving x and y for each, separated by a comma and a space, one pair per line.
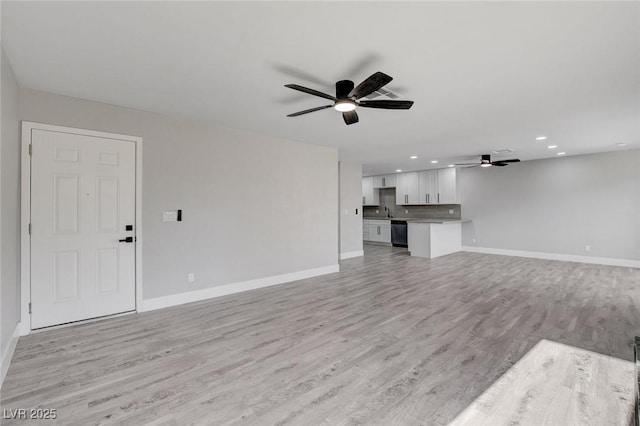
434, 237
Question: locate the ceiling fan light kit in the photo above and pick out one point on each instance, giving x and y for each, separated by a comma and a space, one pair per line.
347, 97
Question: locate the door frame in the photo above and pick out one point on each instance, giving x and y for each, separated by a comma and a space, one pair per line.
25, 212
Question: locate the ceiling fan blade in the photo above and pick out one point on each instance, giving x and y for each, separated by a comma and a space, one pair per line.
499, 164
370, 85
307, 111
386, 104
310, 91
350, 117
467, 164
513, 160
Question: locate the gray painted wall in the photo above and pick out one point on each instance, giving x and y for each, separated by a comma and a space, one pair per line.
557, 205
350, 202
253, 206
9, 206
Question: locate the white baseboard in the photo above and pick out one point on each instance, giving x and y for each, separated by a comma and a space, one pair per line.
223, 290
350, 254
8, 354
556, 256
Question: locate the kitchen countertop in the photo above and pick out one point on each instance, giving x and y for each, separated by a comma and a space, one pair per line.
419, 220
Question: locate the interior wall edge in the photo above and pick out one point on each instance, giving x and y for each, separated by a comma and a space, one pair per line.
8, 355
351, 254
630, 263
224, 290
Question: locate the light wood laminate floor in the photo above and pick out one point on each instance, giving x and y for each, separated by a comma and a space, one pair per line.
390, 340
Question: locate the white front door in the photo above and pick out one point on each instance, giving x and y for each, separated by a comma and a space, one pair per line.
82, 206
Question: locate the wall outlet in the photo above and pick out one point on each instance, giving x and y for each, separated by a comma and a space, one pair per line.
450, 211
169, 216
406, 212
191, 277
377, 211
587, 248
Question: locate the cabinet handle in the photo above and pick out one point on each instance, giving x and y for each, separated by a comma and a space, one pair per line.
438, 198
378, 229
427, 198
364, 200
384, 182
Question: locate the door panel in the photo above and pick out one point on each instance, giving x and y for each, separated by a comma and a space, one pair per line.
82, 197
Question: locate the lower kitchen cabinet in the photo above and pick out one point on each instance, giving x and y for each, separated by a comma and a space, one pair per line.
378, 231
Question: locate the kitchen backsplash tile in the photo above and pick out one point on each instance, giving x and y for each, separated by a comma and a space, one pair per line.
388, 200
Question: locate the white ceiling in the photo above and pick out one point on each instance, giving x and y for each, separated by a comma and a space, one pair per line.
483, 76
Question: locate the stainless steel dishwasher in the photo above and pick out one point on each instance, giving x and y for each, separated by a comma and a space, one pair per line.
399, 233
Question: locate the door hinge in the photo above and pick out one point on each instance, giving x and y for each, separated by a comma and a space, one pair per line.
30, 149
29, 229
29, 307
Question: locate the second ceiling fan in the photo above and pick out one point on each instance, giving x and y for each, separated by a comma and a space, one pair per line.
347, 97
485, 161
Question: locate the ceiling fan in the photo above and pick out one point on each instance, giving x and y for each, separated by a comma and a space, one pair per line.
347, 97
485, 161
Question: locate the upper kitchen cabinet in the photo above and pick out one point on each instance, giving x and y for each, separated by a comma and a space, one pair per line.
369, 194
428, 186
386, 181
448, 186
438, 186
407, 188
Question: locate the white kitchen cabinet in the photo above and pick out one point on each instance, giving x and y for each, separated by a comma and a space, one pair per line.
448, 186
380, 231
407, 188
428, 186
370, 195
384, 181
438, 186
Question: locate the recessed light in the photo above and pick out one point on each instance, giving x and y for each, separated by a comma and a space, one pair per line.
541, 138
413, 157
434, 161
398, 170
485, 165
561, 153
621, 144
451, 165
552, 146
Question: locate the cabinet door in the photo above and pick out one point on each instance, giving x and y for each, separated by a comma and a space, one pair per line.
448, 186
407, 188
374, 233
380, 233
365, 230
385, 234
385, 181
369, 194
428, 186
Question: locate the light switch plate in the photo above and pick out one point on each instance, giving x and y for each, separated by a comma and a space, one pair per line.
170, 216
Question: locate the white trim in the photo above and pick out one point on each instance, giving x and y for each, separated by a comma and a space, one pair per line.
25, 212
8, 354
223, 290
350, 254
556, 256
